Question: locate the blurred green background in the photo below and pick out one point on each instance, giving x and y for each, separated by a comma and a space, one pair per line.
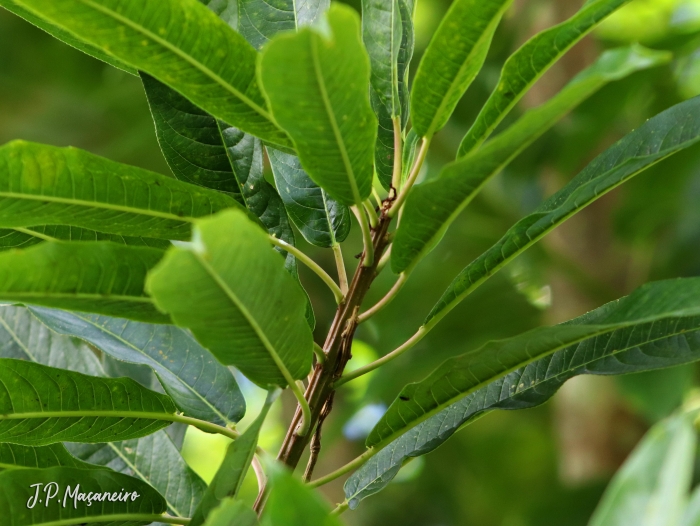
545, 466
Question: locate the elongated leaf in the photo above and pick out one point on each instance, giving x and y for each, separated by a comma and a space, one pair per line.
260, 20
434, 205
229, 478
227, 10
691, 517
320, 219
452, 61
647, 347
18, 489
65, 36
387, 31
652, 486
317, 85
89, 277
155, 460
529, 63
458, 377
231, 512
73, 233
213, 287
182, 44
667, 133
199, 385
13, 456
46, 185
25, 338
41, 405
308, 510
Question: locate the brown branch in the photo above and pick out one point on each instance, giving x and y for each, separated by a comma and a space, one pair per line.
315, 446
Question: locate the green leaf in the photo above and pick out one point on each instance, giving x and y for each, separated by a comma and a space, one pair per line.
14, 456
433, 206
260, 20
231, 512
655, 307
73, 233
651, 488
691, 517
641, 348
229, 478
41, 405
181, 43
226, 10
665, 134
64, 36
213, 287
453, 59
155, 460
91, 277
24, 337
321, 220
529, 63
387, 31
16, 491
317, 83
308, 509
198, 384
46, 185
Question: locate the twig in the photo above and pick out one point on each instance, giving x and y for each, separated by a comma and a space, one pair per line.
340, 264
347, 468
359, 212
315, 446
398, 154
341, 508
385, 300
371, 212
417, 165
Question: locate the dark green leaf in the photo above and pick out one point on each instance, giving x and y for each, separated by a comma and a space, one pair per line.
24, 337
432, 206
623, 351
155, 460
230, 475
318, 85
16, 491
320, 219
63, 35
198, 384
14, 456
529, 63
42, 185
652, 486
663, 135
212, 286
653, 312
90, 277
260, 20
42, 405
231, 512
454, 57
182, 44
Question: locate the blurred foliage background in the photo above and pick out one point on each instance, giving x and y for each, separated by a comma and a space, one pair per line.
545, 466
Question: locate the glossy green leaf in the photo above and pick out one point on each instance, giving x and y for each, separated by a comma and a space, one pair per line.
24, 337
650, 307
387, 31
321, 219
309, 508
155, 460
529, 63
17, 495
317, 82
453, 59
651, 488
433, 206
624, 351
198, 384
73, 233
41, 405
42, 185
260, 20
64, 36
14, 456
231, 512
229, 478
181, 43
661, 136
90, 277
212, 286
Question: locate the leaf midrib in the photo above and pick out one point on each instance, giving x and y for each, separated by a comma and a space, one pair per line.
77, 295
216, 78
